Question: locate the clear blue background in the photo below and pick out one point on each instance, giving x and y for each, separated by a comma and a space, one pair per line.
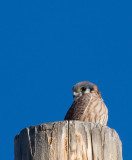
48, 46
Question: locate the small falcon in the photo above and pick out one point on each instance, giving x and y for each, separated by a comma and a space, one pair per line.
88, 105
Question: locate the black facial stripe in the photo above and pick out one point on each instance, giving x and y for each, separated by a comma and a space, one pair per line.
83, 89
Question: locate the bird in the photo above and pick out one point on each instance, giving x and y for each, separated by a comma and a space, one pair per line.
88, 105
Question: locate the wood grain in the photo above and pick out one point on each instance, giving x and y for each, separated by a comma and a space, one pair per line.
73, 140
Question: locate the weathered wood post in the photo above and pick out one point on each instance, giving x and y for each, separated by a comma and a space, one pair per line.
73, 140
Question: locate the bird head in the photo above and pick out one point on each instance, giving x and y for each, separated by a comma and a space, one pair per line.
82, 88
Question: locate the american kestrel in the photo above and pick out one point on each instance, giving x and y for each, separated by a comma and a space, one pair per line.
88, 105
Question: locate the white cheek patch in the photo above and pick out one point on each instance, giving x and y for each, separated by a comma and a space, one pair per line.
87, 90
75, 94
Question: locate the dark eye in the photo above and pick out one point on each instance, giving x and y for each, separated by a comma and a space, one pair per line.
83, 89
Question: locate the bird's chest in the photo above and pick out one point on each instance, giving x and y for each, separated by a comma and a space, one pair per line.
93, 110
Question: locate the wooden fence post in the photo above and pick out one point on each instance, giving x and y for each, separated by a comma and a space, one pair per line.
73, 140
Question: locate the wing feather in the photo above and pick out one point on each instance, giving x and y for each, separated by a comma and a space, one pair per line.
78, 107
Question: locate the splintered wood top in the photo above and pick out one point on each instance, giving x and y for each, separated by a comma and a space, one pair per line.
73, 140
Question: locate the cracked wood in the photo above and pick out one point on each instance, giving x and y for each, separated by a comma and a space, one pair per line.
73, 140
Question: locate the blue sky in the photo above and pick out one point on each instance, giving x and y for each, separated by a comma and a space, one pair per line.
48, 46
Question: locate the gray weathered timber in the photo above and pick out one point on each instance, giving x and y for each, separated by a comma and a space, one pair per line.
43, 142
73, 140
